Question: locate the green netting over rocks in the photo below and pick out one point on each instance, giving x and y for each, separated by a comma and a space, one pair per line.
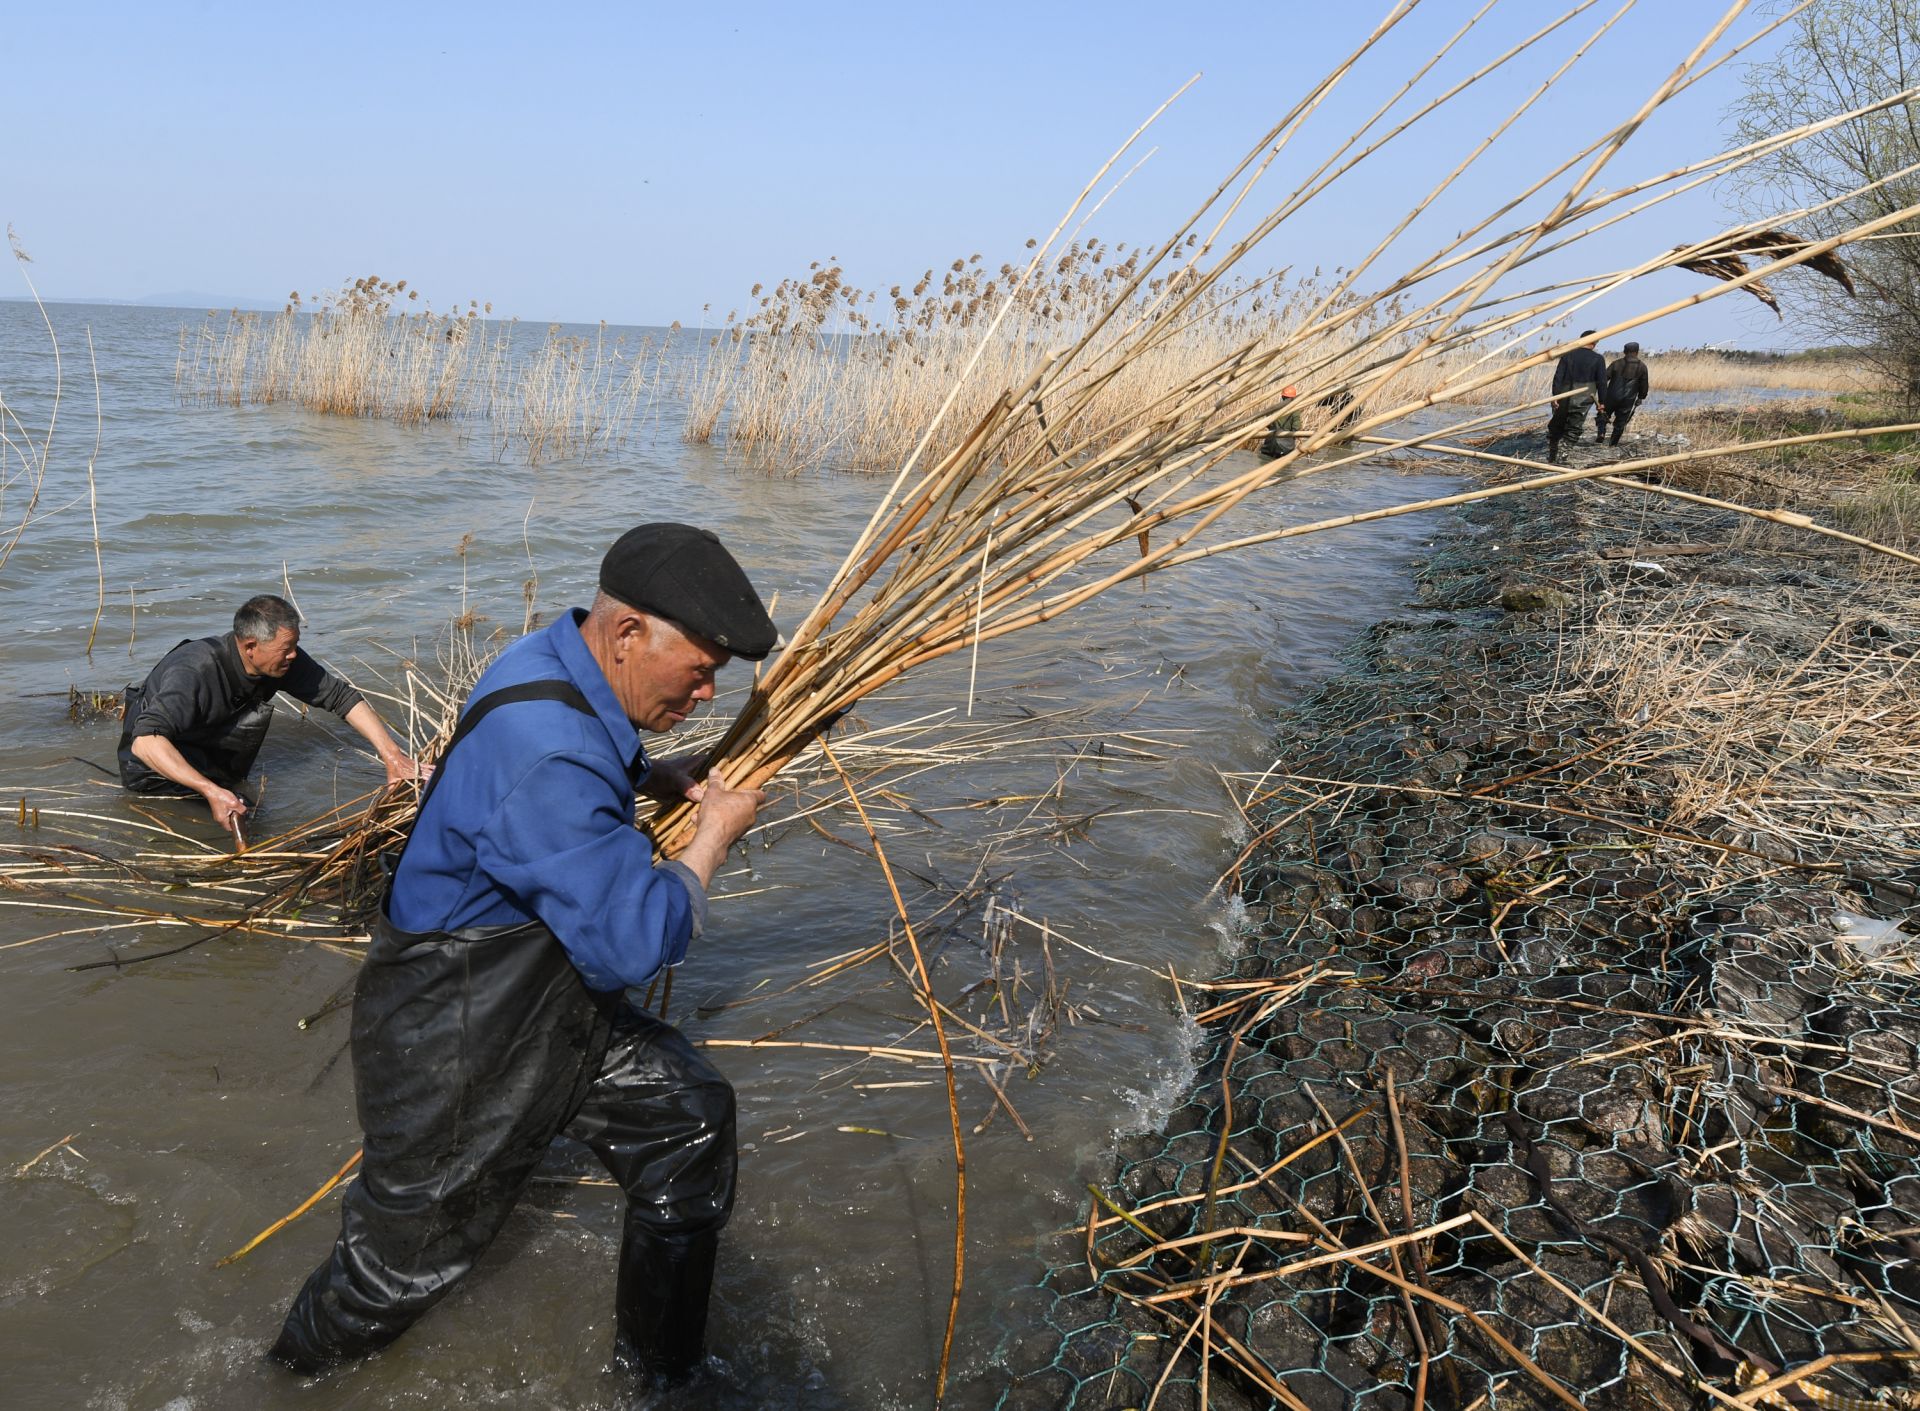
1648, 1107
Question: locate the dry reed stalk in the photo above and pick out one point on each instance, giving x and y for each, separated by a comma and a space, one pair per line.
301, 1209
20, 458
93, 502
934, 1008
1056, 479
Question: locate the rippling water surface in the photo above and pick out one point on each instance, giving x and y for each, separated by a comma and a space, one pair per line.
201, 1112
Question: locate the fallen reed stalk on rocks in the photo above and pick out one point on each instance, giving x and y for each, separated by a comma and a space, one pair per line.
1623, 986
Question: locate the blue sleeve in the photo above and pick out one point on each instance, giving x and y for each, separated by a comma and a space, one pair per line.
563, 847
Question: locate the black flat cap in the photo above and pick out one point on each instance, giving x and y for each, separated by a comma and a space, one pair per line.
677, 571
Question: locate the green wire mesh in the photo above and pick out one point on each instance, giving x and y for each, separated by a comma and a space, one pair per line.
1716, 1083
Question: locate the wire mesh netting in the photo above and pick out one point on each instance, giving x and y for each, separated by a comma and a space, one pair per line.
1520, 1093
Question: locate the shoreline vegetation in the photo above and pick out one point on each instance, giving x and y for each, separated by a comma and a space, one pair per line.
1581, 994
824, 374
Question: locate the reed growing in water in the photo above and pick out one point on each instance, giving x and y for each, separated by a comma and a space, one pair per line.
822, 371
367, 350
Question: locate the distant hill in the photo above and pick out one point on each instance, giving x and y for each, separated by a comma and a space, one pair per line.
178, 299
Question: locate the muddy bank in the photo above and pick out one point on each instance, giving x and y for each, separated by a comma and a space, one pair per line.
1571, 1058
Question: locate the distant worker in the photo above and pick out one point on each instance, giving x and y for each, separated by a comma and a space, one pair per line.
1626, 389
196, 724
1283, 433
1282, 429
1581, 373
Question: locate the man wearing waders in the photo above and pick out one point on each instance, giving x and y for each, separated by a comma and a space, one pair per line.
1580, 373
1626, 389
491, 1014
196, 724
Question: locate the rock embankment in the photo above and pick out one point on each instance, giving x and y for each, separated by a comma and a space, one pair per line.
1534, 978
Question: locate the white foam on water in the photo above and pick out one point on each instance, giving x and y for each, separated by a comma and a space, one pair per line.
1145, 1109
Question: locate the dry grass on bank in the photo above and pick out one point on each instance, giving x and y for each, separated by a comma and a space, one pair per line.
1714, 372
1777, 689
363, 351
1806, 743
1866, 486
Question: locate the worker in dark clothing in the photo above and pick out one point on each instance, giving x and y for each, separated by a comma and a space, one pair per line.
1282, 430
195, 725
1579, 375
491, 1014
1625, 390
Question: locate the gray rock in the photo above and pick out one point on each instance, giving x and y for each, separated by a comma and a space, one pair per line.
1534, 597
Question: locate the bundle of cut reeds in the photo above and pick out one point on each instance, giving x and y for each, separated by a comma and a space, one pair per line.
1043, 504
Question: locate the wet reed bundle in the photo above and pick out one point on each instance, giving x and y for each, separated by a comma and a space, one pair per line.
1059, 491
144, 872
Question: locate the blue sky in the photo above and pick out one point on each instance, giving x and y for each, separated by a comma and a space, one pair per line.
637, 162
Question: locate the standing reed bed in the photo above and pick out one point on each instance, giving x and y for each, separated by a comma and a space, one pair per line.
1708, 371
365, 350
824, 372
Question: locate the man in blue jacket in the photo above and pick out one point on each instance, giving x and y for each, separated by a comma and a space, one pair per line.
491, 1014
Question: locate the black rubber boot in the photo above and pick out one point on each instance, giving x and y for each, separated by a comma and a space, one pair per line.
661, 1306
297, 1355
1553, 450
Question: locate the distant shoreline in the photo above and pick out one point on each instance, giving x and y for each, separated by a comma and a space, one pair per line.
156, 301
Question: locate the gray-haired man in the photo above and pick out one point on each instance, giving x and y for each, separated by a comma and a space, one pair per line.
195, 725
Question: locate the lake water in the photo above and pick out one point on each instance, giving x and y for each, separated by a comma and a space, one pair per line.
200, 1111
